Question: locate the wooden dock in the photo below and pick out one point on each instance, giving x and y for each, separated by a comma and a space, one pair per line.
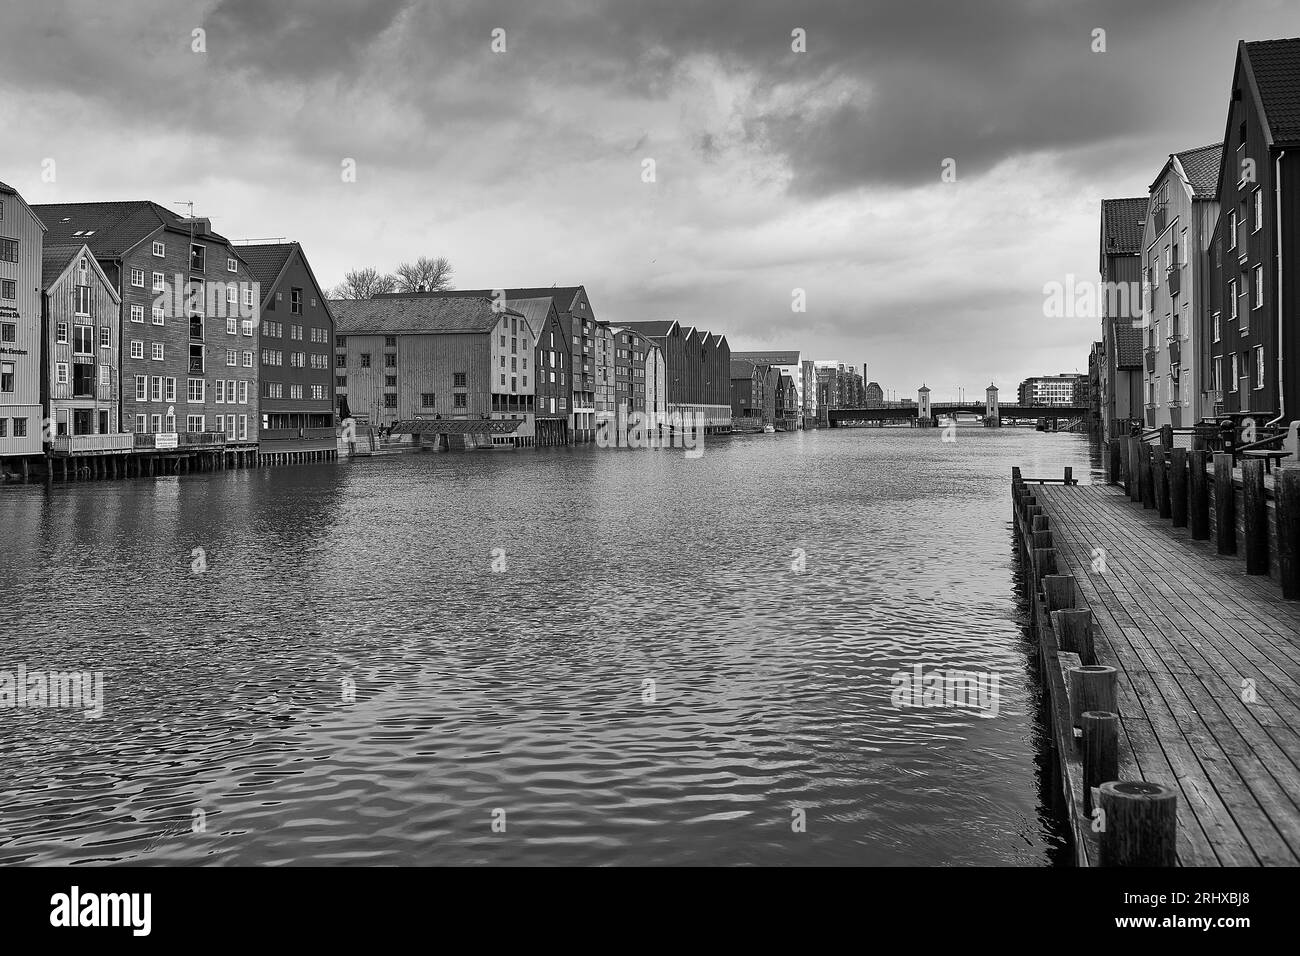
1208, 661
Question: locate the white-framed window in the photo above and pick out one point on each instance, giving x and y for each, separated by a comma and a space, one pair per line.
171, 421
61, 373
1258, 205
221, 423
1259, 367
142, 388
159, 282
230, 391
142, 423
232, 357
1259, 287
105, 336
157, 352
248, 359
194, 423
249, 301
171, 390
1216, 326
106, 375
247, 326
137, 349
1218, 373
156, 388
61, 333
1234, 371
1232, 230
137, 314
232, 265
1232, 299
230, 427
243, 427
159, 315
220, 398
243, 393
232, 326
1184, 257
137, 279
155, 423
195, 391
318, 391
159, 250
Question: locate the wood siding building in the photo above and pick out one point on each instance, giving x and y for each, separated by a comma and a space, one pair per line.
81, 323
1120, 265
22, 241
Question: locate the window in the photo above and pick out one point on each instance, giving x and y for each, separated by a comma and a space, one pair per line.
1232, 385
61, 373
194, 423
83, 339
137, 279
390, 361
246, 326
220, 397
365, 360
232, 326
106, 375
427, 399
230, 391
230, 427
1232, 300
198, 257
243, 393
157, 353
295, 391
243, 427
155, 423
1259, 287
458, 400
248, 359
1218, 373
137, 349
390, 401
341, 381
232, 265
171, 390
390, 381
4, 427
8, 289
274, 390
318, 391
1216, 326
295, 332
156, 388
248, 300
295, 302
1259, 367
159, 250
105, 337
20, 428
137, 314
6, 376
159, 315
159, 282
1232, 230
81, 300
142, 388
221, 423
142, 423
195, 390
8, 250
61, 333
1258, 218
232, 357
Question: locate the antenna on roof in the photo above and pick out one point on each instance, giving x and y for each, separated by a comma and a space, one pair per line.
189, 205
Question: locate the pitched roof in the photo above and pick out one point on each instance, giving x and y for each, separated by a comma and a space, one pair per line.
768, 358
266, 261
1275, 67
109, 228
563, 295
416, 313
652, 330
54, 260
1121, 226
535, 310
742, 368
1128, 344
1201, 166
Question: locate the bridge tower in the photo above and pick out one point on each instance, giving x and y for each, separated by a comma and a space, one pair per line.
992, 417
923, 413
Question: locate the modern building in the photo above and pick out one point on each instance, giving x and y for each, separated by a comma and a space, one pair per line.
81, 321
296, 365
188, 303
22, 242
802, 373
697, 370
1251, 322
1066, 390
464, 359
1178, 224
1122, 317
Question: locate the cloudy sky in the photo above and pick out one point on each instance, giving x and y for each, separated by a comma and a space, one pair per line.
774, 170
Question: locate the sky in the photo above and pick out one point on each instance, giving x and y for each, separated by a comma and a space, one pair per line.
518, 140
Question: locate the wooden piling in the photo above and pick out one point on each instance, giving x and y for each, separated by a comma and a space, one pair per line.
1044, 563
1225, 505
1092, 687
1146, 460
1160, 482
1073, 629
1198, 497
1140, 824
1286, 491
1112, 463
1100, 751
1059, 591
1126, 465
1255, 514
1177, 475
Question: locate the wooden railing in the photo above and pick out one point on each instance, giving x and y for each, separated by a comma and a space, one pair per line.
88, 444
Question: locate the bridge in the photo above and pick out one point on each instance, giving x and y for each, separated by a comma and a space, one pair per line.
926, 413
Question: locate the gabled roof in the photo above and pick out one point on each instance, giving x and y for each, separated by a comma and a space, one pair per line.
564, 296
742, 368
57, 259
1128, 344
416, 314
1200, 166
768, 358
1274, 67
111, 229
536, 311
652, 330
268, 262
7, 190
1122, 221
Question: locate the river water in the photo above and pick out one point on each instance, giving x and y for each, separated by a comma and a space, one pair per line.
534, 657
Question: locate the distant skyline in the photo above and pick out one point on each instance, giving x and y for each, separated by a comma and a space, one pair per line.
775, 170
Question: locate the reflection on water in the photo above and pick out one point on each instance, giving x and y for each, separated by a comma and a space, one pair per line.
648, 680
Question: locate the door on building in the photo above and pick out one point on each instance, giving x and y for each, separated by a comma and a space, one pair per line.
82, 421
103, 423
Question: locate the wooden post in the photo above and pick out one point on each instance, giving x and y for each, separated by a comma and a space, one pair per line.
1178, 486
1041, 523
1198, 498
1225, 504
1112, 463
1073, 629
1141, 824
1126, 465
1148, 476
1286, 491
1255, 515
1069, 476
1092, 687
1040, 539
1100, 752
1160, 481
1166, 436
1135, 468
1059, 590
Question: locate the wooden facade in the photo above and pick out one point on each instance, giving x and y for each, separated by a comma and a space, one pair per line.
22, 239
81, 325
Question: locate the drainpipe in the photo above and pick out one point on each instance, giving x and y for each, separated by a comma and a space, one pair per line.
1277, 188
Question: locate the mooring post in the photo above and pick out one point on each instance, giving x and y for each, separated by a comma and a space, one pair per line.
1140, 824
1069, 476
1255, 513
1225, 504
1178, 486
1059, 591
1135, 468
1112, 463
1160, 481
1092, 687
1073, 629
1100, 752
1198, 510
1044, 563
1286, 490
1148, 476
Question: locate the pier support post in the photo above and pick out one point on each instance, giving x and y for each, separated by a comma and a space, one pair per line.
1135, 468
1092, 687
1141, 824
1059, 591
1198, 498
1178, 486
1112, 463
1100, 752
1255, 513
1126, 465
1148, 476
1287, 492
1073, 629
1044, 563
1225, 505
1160, 481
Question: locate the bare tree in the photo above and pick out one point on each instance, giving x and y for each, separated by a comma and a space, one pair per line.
424, 275
364, 284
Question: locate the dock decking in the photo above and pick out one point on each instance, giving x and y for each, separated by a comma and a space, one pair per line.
1187, 630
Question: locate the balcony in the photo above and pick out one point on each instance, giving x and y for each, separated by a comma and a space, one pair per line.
201, 439
93, 444
1175, 351
1175, 276
1150, 360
